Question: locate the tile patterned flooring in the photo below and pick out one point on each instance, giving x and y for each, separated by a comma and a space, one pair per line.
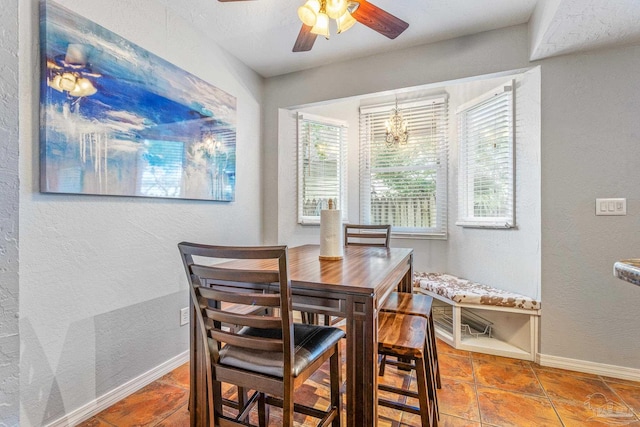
477, 390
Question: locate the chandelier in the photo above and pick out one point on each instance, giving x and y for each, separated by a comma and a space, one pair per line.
316, 14
397, 130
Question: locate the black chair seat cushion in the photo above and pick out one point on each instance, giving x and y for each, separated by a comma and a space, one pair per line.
310, 342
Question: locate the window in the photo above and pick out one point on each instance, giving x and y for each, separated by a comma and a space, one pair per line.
405, 185
486, 168
322, 152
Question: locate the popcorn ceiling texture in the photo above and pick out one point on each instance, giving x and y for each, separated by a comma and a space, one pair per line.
9, 191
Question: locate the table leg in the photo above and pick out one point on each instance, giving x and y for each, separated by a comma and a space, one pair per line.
362, 379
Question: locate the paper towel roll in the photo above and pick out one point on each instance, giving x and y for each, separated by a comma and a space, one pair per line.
331, 239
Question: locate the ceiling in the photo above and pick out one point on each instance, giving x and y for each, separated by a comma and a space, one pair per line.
261, 33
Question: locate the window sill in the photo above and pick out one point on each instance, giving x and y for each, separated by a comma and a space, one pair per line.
503, 224
418, 236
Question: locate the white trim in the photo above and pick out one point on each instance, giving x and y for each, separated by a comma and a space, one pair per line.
323, 120
603, 369
505, 87
108, 399
420, 102
483, 223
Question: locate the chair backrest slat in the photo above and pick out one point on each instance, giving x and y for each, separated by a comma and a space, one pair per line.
263, 300
250, 320
235, 275
367, 235
255, 343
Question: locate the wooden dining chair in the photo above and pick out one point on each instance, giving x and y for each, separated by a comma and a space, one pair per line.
367, 235
398, 302
360, 235
405, 338
266, 353
416, 305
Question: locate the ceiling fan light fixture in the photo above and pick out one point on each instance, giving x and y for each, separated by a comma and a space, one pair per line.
308, 12
321, 27
345, 21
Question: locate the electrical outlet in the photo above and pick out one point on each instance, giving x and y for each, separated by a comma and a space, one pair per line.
184, 316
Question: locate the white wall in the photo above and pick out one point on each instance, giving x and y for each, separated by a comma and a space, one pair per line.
101, 281
9, 190
589, 149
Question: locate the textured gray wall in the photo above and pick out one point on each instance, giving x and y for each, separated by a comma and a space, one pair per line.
9, 198
101, 281
589, 148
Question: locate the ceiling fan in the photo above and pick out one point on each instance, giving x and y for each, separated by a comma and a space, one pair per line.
315, 16
70, 73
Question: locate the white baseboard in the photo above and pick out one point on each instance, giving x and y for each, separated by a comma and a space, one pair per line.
589, 367
103, 402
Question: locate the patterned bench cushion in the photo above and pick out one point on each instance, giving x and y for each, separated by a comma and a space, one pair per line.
468, 292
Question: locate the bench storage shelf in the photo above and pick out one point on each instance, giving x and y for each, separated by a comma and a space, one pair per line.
473, 317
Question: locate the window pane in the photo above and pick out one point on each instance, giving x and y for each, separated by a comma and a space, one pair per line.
486, 160
405, 184
322, 151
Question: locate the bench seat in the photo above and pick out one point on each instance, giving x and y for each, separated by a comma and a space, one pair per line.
467, 292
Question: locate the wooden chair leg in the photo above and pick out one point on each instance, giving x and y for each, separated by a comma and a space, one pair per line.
430, 369
287, 406
423, 394
263, 411
334, 369
434, 351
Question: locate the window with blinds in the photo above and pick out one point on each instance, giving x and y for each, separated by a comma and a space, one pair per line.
405, 185
486, 160
322, 166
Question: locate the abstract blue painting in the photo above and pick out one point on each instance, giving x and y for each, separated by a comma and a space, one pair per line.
115, 119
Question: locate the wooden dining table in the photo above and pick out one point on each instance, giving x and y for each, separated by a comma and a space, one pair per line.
352, 288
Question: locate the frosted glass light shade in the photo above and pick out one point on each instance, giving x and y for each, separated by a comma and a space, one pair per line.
335, 8
345, 21
322, 25
308, 12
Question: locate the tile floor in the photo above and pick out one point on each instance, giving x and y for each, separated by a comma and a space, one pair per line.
477, 390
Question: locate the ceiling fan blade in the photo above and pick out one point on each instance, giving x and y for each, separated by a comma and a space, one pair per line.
379, 20
305, 39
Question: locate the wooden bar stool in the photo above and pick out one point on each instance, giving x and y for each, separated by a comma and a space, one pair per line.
416, 305
405, 338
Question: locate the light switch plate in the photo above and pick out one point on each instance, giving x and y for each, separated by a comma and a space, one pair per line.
611, 206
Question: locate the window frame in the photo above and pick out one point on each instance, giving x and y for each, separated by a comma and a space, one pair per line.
342, 167
466, 197
439, 165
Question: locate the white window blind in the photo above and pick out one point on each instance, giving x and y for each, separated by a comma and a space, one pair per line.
486, 161
405, 185
322, 152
